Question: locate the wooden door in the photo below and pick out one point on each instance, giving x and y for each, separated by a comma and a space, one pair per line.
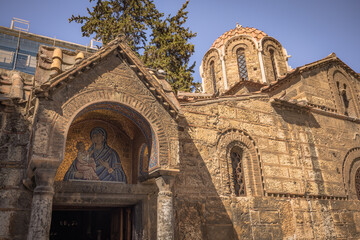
121, 224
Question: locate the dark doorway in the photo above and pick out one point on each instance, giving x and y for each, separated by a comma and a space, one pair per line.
91, 224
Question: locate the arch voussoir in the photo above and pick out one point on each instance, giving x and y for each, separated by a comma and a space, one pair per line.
61, 122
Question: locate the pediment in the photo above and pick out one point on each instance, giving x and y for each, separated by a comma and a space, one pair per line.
58, 69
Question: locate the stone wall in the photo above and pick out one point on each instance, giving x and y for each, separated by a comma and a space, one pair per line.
15, 200
318, 87
111, 81
301, 154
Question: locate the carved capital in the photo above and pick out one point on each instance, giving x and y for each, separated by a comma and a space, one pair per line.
44, 180
40, 174
165, 193
165, 183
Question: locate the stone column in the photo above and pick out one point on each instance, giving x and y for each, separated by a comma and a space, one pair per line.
165, 209
262, 68
41, 207
222, 59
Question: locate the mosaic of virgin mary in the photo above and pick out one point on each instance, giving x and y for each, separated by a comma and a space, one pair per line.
99, 162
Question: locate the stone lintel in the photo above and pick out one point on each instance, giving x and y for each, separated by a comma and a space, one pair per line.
163, 172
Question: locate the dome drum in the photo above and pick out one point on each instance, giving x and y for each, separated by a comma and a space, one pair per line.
242, 54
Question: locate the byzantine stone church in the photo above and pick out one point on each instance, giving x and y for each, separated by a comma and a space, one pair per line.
97, 146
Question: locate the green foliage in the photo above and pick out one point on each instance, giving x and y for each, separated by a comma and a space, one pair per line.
168, 48
110, 18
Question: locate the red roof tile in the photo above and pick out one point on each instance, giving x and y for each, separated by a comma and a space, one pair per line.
255, 33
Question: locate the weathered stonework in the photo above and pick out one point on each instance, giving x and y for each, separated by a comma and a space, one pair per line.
274, 156
269, 44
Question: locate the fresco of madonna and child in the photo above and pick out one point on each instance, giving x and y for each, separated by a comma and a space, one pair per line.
99, 162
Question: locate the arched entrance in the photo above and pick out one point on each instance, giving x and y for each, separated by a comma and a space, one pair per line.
140, 137
126, 135
109, 150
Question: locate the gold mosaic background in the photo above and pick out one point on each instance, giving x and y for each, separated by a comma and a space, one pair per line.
80, 131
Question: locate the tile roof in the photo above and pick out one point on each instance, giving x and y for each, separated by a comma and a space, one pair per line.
15, 87
53, 61
238, 30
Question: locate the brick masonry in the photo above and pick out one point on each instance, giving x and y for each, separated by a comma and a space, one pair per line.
299, 138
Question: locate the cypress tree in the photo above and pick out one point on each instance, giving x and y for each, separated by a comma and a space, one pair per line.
170, 50
107, 19
168, 47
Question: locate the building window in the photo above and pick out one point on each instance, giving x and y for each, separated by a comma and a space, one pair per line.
240, 53
344, 97
357, 183
6, 56
272, 57
236, 155
345, 100
212, 75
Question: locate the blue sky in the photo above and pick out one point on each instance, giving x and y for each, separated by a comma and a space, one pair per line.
308, 29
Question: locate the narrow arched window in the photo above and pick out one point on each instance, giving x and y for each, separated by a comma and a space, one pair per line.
212, 75
344, 96
240, 54
236, 155
357, 183
272, 57
345, 100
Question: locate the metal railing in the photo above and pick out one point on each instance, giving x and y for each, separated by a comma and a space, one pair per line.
23, 22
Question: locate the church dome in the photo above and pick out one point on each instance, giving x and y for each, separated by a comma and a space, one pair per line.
242, 56
238, 30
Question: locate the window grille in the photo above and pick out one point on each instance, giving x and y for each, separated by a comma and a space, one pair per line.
238, 172
212, 75
272, 56
357, 183
242, 64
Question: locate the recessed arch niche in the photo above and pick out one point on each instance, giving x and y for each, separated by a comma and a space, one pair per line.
128, 134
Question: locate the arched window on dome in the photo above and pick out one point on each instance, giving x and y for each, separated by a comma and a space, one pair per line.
240, 54
272, 57
236, 155
212, 75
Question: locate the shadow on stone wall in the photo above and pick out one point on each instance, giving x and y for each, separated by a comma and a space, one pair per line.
200, 212
15, 200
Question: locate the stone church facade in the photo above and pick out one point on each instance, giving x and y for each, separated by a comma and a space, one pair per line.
100, 147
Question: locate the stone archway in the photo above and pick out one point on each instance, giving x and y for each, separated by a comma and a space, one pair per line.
251, 161
351, 166
61, 122
49, 150
126, 131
